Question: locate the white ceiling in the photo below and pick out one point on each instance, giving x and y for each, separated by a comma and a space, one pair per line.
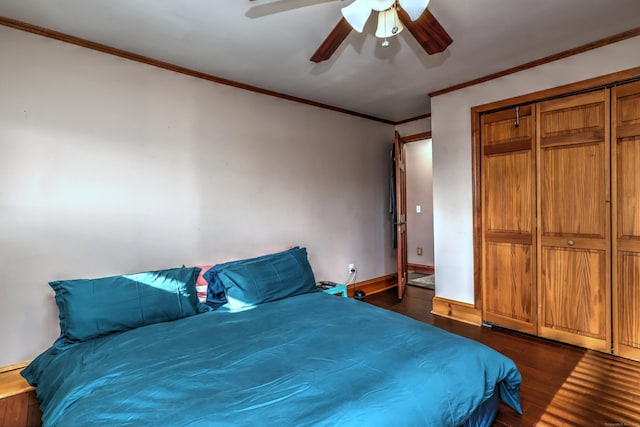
268, 43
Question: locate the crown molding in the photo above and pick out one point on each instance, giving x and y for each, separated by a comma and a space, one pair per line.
413, 119
45, 32
551, 58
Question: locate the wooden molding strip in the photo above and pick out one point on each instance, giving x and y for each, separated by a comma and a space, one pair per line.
561, 55
419, 268
13, 367
456, 310
34, 29
375, 285
417, 137
413, 119
11, 382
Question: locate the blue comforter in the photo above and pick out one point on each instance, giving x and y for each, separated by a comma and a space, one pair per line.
312, 359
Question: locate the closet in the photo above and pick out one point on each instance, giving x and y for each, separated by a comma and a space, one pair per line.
626, 220
560, 196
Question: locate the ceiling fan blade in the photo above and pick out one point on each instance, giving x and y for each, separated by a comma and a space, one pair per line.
333, 41
278, 6
427, 31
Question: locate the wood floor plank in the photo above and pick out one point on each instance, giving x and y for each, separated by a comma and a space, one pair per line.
562, 385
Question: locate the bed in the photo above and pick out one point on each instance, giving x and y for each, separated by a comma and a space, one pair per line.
305, 359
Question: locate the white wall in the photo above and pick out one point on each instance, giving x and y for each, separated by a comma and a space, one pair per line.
414, 127
453, 233
108, 166
419, 193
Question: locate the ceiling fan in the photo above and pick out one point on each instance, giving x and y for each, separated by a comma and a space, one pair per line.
393, 17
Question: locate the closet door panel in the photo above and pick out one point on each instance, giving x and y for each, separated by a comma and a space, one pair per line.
627, 321
508, 218
574, 227
508, 209
573, 292
628, 160
509, 275
573, 183
626, 244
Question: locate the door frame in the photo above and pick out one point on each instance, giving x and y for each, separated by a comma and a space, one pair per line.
401, 206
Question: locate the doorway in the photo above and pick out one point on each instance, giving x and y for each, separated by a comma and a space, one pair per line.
419, 210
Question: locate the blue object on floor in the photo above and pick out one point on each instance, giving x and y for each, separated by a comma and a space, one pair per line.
337, 289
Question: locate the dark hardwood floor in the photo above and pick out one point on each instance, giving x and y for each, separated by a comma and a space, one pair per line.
562, 385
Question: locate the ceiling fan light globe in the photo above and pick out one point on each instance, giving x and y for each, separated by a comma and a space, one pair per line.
389, 24
357, 14
380, 5
414, 8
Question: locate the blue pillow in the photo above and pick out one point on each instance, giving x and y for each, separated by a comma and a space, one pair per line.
267, 278
215, 289
89, 308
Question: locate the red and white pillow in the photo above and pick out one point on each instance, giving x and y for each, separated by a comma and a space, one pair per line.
201, 283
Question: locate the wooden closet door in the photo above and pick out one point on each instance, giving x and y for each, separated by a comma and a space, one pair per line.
575, 218
508, 219
626, 243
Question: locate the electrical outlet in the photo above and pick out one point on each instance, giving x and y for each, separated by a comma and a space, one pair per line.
352, 268
419, 251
